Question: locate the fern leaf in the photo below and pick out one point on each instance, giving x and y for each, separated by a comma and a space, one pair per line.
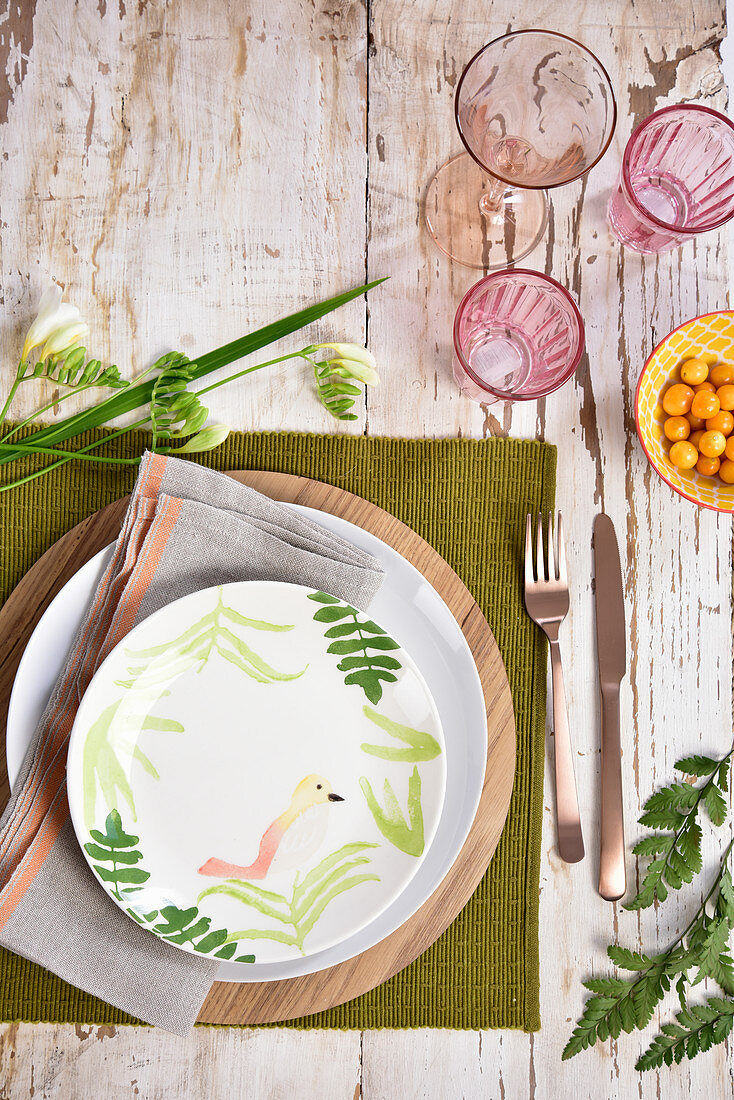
697, 765
698, 1029
715, 804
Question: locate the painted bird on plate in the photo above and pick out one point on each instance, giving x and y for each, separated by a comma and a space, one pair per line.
291, 839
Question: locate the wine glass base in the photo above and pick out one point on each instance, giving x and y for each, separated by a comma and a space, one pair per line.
479, 221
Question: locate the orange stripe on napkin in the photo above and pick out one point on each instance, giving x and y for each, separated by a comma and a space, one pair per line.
43, 809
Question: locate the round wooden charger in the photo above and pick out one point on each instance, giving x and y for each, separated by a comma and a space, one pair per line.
269, 1002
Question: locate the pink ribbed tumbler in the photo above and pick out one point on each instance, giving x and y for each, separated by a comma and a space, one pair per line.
518, 335
677, 179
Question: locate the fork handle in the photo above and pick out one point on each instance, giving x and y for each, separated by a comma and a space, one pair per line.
568, 819
612, 875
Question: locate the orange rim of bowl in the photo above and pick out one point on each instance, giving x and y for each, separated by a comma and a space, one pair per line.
651, 356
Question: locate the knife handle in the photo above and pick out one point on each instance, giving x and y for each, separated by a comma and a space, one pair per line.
568, 819
612, 874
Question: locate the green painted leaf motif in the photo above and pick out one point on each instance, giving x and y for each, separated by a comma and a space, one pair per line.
116, 848
407, 836
213, 633
333, 613
322, 597
298, 914
361, 643
421, 745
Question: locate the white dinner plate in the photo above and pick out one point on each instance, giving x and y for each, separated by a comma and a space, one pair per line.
256, 771
407, 606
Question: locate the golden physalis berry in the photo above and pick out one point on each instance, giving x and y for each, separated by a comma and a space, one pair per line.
721, 375
708, 466
725, 395
693, 372
678, 400
712, 444
684, 455
723, 422
704, 404
726, 471
676, 428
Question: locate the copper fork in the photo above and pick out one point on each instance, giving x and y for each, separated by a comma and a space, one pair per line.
546, 600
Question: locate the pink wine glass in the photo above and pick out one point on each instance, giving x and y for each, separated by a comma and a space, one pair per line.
677, 179
518, 335
534, 110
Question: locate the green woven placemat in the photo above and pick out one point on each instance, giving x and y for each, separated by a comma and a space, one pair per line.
469, 500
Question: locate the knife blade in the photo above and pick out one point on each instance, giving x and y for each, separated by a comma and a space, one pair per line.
612, 664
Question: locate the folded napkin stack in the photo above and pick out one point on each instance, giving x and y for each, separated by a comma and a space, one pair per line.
186, 528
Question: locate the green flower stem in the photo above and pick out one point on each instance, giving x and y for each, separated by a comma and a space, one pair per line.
303, 354
13, 390
39, 412
71, 455
57, 453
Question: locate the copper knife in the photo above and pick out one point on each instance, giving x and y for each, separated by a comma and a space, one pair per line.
612, 663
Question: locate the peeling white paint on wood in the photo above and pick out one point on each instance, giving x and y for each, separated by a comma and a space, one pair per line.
190, 171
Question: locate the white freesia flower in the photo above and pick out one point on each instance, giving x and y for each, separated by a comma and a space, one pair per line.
53, 318
64, 338
353, 361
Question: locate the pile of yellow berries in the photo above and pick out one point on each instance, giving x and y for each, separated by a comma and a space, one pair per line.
699, 421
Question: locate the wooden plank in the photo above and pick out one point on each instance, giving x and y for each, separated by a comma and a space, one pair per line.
87, 1063
256, 208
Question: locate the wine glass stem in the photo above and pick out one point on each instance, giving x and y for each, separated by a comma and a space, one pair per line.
492, 199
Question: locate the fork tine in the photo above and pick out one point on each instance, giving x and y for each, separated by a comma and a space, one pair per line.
529, 578
540, 565
562, 574
551, 555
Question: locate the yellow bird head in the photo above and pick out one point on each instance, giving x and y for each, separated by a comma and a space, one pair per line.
311, 791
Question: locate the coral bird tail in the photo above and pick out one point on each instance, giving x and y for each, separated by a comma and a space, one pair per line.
219, 869
268, 846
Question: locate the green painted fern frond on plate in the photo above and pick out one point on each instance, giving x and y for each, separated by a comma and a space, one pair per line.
117, 865
213, 633
299, 913
420, 745
362, 645
101, 765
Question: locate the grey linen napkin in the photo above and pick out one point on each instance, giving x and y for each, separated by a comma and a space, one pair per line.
186, 528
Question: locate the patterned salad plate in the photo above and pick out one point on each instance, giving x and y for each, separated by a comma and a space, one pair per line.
256, 772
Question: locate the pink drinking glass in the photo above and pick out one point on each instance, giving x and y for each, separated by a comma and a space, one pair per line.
677, 179
518, 335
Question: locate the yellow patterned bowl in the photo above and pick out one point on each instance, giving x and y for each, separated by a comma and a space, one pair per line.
711, 338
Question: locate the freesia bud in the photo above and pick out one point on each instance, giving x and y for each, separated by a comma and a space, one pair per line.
205, 440
353, 361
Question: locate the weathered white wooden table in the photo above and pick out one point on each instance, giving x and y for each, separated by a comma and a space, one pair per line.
191, 170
